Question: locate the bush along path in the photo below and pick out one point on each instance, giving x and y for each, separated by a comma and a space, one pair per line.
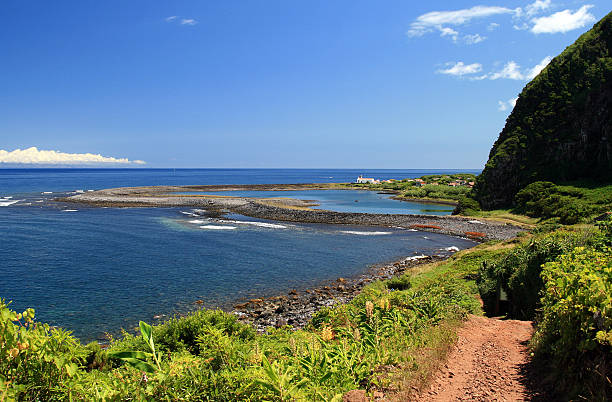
565, 353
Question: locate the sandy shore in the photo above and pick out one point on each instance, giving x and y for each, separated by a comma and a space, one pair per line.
288, 209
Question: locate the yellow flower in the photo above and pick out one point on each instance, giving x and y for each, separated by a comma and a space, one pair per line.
327, 334
369, 306
383, 304
14, 352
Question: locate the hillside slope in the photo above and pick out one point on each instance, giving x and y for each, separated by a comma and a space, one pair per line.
560, 128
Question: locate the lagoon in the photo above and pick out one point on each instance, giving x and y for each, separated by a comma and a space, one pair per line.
363, 201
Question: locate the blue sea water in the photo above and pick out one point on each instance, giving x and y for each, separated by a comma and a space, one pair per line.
95, 270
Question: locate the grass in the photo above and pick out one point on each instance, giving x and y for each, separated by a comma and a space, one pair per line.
505, 216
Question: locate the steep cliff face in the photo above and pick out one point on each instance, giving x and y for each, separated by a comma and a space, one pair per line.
560, 128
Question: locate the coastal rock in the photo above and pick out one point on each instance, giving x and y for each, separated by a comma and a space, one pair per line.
298, 309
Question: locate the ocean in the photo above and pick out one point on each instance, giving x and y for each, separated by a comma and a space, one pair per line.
97, 270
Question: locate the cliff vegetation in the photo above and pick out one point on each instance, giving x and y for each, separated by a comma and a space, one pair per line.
560, 129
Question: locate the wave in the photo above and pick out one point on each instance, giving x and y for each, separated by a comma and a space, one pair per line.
6, 203
356, 232
260, 224
189, 213
69, 210
217, 227
416, 257
197, 221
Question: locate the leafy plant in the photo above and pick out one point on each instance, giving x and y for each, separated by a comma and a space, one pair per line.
575, 326
280, 380
138, 359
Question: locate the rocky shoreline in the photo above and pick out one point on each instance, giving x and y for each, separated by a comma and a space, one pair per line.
290, 210
297, 308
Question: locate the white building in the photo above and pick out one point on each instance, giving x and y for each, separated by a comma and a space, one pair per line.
367, 180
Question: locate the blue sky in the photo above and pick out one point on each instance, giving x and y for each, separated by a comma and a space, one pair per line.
297, 84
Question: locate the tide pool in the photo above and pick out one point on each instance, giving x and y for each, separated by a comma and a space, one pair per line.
364, 201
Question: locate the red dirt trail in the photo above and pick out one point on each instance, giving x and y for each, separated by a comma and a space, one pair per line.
489, 362
485, 364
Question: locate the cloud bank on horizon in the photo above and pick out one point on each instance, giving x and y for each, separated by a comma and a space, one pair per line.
34, 156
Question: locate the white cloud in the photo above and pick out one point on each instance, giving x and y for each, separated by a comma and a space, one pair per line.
563, 21
537, 7
459, 69
445, 31
521, 26
492, 26
188, 21
181, 21
510, 71
472, 39
454, 35
440, 20
35, 156
502, 106
513, 71
531, 73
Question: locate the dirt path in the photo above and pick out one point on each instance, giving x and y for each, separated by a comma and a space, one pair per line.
486, 364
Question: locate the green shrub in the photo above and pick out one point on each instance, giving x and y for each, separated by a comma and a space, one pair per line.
517, 274
466, 206
36, 361
575, 328
182, 333
399, 283
566, 204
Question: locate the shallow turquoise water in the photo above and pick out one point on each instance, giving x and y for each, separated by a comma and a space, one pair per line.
345, 201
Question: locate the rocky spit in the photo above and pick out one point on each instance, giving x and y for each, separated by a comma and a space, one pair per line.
290, 210
297, 307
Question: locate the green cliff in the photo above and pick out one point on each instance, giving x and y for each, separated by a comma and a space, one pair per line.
560, 128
